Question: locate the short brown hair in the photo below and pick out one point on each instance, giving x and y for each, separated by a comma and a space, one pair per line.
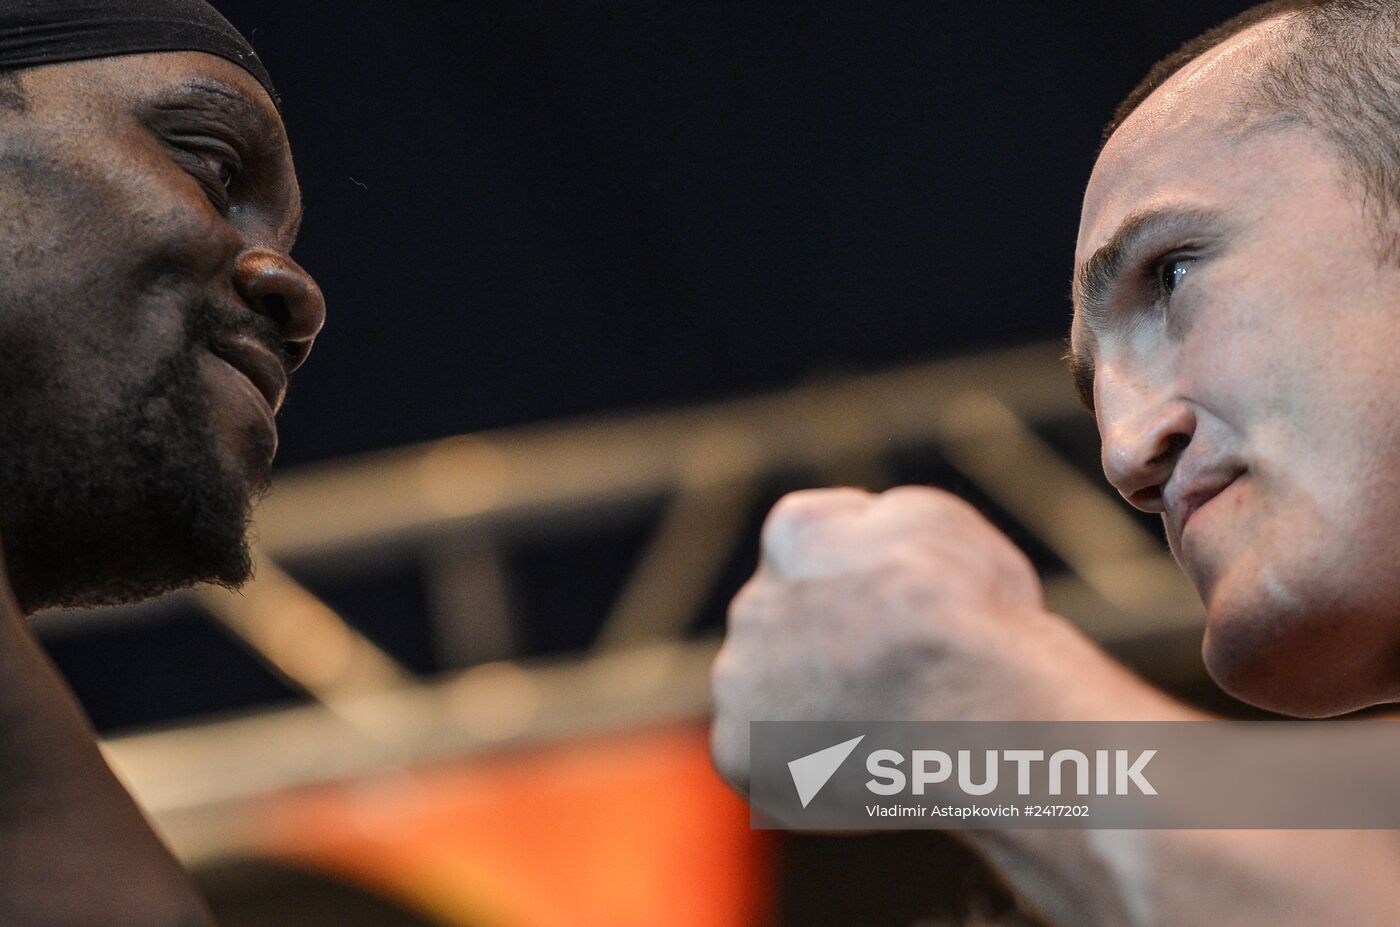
1339, 74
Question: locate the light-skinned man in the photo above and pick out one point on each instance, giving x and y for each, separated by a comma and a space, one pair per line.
1236, 324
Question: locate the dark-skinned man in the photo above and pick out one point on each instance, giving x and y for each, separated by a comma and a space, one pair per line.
150, 314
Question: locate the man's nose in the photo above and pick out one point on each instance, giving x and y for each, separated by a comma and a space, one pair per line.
1143, 438
278, 287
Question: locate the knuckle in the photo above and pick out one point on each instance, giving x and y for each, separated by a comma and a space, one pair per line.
929, 505
924, 497
915, 495
794, 505
814, 504
802, 519
747, 604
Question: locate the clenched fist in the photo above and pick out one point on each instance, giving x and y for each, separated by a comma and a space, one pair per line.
906, 605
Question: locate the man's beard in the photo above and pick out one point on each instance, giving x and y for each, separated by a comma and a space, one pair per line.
118, 507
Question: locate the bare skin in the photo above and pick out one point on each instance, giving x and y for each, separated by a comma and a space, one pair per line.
132, 190
1254, 405
1245, 390
75, 850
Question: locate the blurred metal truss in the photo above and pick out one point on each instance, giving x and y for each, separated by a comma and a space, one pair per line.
451, 504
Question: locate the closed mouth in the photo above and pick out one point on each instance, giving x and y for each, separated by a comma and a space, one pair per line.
258, 364
1197, 497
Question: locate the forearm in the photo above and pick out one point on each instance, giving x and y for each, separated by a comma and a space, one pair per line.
75, 851
1179, 878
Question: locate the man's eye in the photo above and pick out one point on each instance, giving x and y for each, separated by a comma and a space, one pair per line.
222, 168
227, 173
1171, 272
213, 161
218, 172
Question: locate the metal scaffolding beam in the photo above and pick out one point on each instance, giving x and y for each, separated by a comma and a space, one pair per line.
452, 505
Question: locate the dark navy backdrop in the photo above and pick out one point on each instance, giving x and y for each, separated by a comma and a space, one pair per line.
525, 210
522, 210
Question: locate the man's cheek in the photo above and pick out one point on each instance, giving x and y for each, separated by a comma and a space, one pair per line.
157, 215
185, 240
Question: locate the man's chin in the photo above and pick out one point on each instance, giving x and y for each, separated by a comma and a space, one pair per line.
108, 587
1306, 666
146, 546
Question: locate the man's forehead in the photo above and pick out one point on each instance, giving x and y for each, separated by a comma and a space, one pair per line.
1178, 136
173, 70
113, 82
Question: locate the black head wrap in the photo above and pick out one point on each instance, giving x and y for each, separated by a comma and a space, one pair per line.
49, 31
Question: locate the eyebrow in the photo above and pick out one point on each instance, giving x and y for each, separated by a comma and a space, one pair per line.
210, 90
1097, 278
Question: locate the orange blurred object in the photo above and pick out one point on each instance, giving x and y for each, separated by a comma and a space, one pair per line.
612, 831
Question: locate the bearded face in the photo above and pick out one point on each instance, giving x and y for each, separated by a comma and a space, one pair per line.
149, 316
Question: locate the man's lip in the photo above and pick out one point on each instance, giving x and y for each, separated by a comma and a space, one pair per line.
257, 363
1198, 493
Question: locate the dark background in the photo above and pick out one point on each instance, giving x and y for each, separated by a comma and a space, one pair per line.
525, 210
521, 211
